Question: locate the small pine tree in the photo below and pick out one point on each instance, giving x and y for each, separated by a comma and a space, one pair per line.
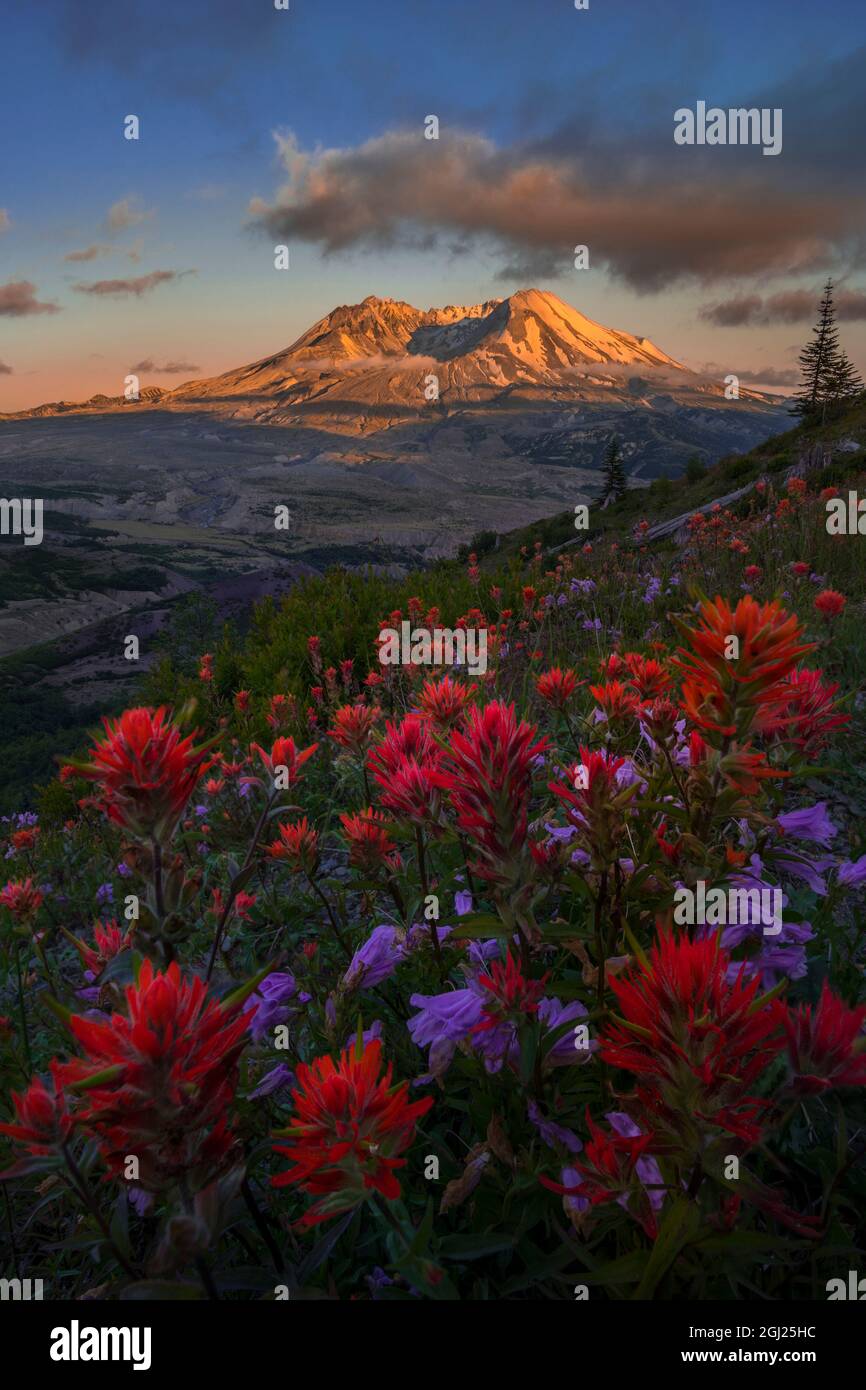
613, 484
819, 360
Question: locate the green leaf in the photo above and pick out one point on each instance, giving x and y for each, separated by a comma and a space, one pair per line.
475, 1247
479, 925
678, 1228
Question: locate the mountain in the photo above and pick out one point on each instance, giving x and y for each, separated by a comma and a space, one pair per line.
370, 365
391, 431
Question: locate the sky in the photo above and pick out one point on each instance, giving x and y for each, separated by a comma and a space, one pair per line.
305, 127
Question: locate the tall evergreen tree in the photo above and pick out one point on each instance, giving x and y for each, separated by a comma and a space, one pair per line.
819, 360
613, 483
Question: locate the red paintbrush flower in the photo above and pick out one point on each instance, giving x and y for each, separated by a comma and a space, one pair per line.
745, 770
829, 603
21, 899
110, 940
487, 772
402, 764
618, 701
444, 702
511, 995
737, 662
827, 1048
285, 760
43, 1122
370, 845
350, 1127
298, 845
146, 772
648, 676
696, 1043
159, 1082
595, 804
556, 687
810, 711
354, 726
608, 1172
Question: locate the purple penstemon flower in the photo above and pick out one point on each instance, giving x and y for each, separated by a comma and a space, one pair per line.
808, 823
377, 959
853, 873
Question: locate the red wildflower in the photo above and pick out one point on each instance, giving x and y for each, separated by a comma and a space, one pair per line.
299, 845
723, 693
21, 899
242, 701
282, 711
556, 687
829, 603
110, 939
159, 1082
354, 726
809, 714
618, 701
648, 676
24, 839
370, 845
800, 568
146, 772
43, 1122
487, 772
752, 573
827, 1048
444, 702
696, 1042
611, 666
609, 1173
350, 1127
595, 804
285, 760
510, 993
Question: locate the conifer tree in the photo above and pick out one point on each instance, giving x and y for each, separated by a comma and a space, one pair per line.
613, 483
819, 360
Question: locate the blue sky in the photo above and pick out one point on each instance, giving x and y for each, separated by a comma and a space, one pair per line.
569, 111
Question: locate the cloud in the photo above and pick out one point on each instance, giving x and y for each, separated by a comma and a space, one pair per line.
5, 223
4, 370
18, 300
124, 213
170, 368
89, 253
790, 306
650, 228
138, 285
771, 376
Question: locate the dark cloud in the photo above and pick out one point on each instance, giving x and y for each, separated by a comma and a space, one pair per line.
169, 369
4, 370
651, 229
89, 253
18, 300
138, 285
790, 306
